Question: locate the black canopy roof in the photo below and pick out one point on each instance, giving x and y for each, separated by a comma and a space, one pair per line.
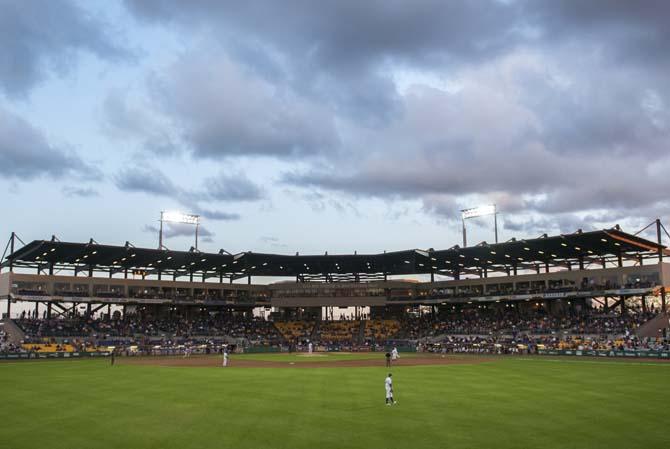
580, 247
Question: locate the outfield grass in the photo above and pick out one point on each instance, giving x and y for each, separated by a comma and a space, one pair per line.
508, 403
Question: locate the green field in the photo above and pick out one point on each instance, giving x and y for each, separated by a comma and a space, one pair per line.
504, 403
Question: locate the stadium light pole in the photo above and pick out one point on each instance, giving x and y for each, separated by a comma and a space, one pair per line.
178, 217
479, 211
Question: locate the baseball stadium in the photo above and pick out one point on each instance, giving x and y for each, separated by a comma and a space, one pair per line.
559, 341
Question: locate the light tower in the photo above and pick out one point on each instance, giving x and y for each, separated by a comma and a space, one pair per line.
479, 211
178, 217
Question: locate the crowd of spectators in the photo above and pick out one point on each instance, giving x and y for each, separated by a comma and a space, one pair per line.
527, 344
477, 328
484, 321
256, 331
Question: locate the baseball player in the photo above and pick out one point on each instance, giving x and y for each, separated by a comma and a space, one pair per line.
394, 354
310, 347
388, 385
225, 357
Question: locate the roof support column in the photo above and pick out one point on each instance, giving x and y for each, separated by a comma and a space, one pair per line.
660, 260
663, 308
660, 242
11, 261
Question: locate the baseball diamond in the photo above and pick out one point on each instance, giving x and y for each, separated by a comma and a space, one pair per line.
334, 224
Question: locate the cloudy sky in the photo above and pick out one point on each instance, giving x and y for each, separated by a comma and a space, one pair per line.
331, 126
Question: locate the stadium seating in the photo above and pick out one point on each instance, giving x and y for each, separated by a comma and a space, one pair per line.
48, 347
338, 331
469, 329
381, 330
295, 330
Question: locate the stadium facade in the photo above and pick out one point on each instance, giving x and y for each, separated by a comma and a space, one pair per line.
606, 266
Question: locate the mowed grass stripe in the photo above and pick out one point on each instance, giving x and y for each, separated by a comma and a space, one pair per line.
504, 404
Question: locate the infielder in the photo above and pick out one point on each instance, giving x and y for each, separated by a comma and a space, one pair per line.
388, 385
394, 354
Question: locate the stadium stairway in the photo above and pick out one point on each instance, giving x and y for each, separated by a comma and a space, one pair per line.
281, 335
315, 331
13, 331
361, 333
650, 329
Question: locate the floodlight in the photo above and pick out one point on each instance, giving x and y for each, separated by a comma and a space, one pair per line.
179, 217
478, 211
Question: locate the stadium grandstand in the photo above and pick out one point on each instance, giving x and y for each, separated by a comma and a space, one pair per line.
593, 290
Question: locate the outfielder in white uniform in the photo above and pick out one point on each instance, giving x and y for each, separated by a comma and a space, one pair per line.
394, 354
310, 347
225, 357
388, 385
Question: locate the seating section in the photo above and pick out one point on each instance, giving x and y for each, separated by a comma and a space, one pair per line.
295, 330
338, 331
381, 330
48, 347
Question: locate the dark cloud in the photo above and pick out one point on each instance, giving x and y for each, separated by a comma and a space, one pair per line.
556, 109
82, 192
221, 110
556, 224
339, 50
25, 153
345, 34
231, 188
147, 180
219, 188
217, 215
626, 31
43, 36
125, 121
